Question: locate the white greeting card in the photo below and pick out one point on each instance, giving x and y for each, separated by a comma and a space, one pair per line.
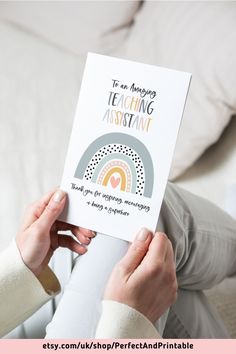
121, 146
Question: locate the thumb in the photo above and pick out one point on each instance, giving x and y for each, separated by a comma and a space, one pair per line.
52, 210
136, 251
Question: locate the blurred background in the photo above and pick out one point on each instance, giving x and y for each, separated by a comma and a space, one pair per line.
43, 48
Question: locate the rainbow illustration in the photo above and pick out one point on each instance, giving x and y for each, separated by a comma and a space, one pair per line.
120, 161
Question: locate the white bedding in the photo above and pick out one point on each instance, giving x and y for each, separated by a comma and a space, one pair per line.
39, 88
214, 174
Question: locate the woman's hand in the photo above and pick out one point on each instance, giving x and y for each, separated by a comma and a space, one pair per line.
145, 277
38, 236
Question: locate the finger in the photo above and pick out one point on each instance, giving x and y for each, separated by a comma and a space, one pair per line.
35, 210
87, 232
157, 250
63, 226
82, 239
74, 230
68, 242
51, 211
136, 251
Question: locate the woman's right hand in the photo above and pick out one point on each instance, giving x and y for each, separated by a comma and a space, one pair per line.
39, 235
145, 278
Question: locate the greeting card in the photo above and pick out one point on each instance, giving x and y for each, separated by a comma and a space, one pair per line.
125, 128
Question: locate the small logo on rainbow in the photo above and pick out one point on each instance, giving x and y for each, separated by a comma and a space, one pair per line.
120, 161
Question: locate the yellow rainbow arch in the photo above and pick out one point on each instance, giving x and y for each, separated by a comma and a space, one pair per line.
110, 173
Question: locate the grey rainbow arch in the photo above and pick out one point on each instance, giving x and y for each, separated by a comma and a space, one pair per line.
124, 139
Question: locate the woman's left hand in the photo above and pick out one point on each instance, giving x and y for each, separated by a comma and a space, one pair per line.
38, 236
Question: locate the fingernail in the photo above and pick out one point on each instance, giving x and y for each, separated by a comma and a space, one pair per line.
143, 234
94, 233
88, 240
58, 196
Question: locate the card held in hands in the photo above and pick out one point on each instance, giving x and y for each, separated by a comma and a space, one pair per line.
121, 146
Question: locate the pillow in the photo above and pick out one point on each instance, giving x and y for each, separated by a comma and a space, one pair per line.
198, 37
79, 26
